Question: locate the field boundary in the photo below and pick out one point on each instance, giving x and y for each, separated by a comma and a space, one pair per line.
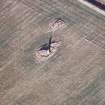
92, 6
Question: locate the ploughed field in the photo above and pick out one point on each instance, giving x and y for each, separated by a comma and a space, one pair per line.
74, 75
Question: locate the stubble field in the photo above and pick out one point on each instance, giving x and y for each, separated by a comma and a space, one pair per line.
75, 75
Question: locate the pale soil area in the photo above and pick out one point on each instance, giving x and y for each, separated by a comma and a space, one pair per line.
102, 1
